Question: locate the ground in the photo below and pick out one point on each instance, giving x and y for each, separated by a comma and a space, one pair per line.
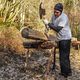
12, 66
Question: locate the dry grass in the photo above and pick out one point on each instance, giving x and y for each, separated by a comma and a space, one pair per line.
12, 40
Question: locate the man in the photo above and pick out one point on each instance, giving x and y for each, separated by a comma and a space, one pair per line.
60, 24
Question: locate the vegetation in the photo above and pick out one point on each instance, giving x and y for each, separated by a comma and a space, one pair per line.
20, 13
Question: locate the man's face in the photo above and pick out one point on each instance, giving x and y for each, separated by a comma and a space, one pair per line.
57, 13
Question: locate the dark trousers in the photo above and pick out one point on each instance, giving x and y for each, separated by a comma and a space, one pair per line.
64, 50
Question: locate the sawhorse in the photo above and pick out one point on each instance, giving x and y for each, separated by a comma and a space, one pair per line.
51, 60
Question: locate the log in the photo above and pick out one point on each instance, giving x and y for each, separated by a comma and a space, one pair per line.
76, 44
36, 35
33, 34
48, 44
39, 44
32, 44
51, 37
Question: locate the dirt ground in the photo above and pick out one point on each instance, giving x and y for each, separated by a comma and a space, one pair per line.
12, 66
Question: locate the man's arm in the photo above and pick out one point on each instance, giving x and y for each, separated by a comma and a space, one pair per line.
51, 25
57, 29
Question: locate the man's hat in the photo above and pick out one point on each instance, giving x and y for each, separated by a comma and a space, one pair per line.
59, 7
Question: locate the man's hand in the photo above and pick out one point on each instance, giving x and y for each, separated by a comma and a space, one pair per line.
45, 21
